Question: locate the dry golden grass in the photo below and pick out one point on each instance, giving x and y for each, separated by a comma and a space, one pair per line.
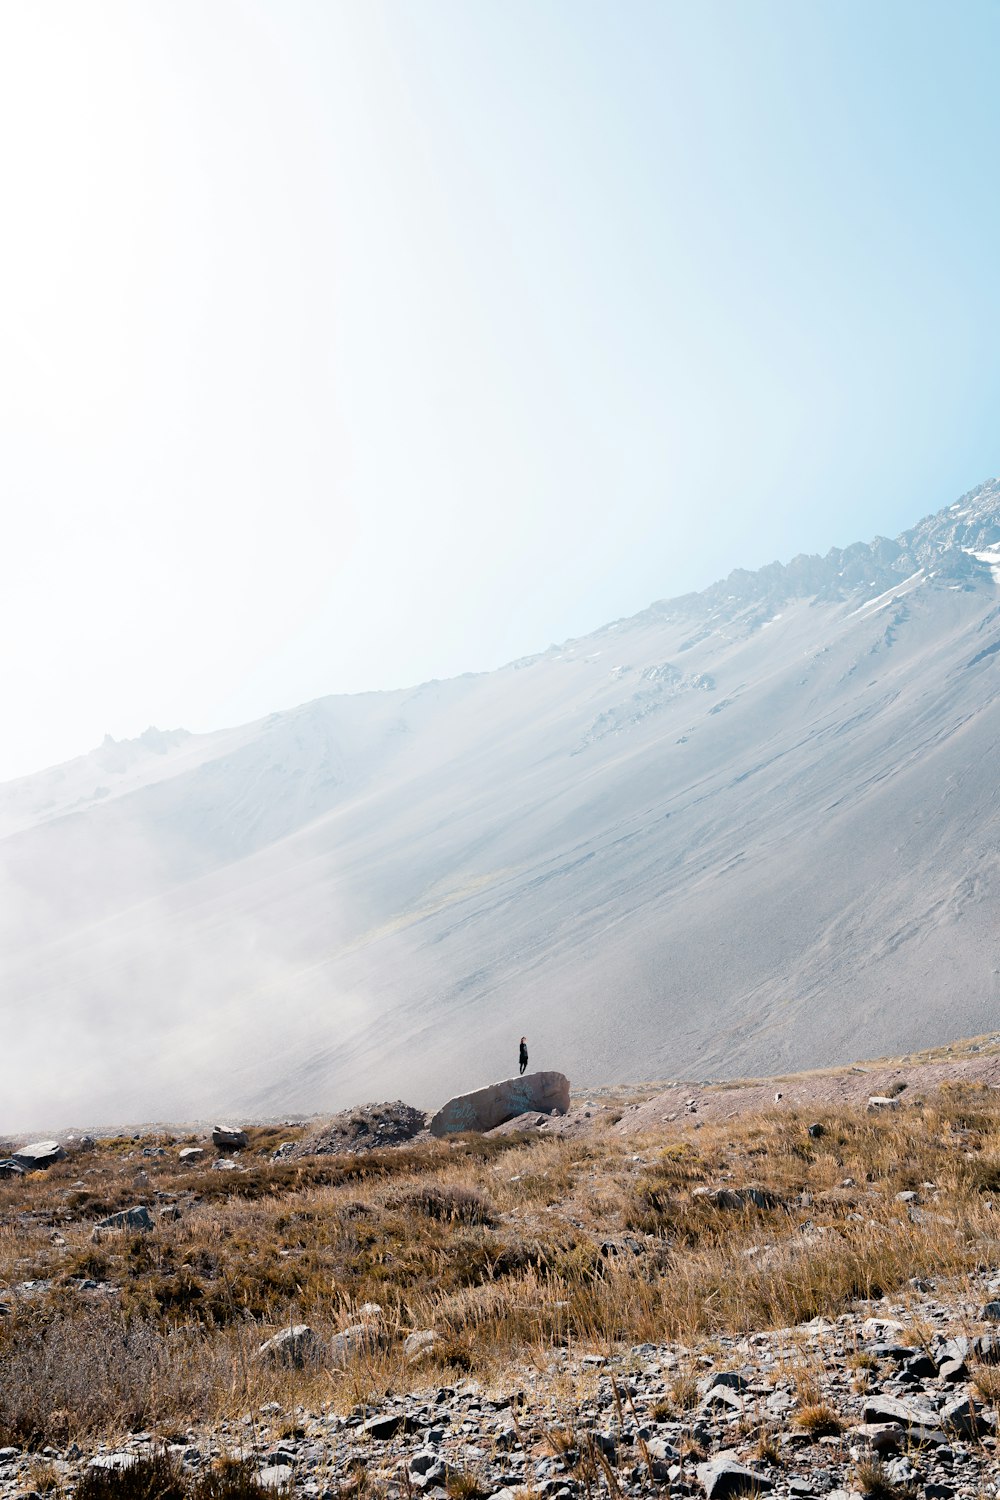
158, 1477
768, 1449
872, 1479
494, 1243
986, 1379
819, 1420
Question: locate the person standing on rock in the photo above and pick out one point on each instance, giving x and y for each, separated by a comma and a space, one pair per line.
523, 1054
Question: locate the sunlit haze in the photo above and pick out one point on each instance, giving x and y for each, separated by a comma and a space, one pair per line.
348, 345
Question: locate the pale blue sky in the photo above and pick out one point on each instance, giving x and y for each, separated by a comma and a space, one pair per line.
346, 345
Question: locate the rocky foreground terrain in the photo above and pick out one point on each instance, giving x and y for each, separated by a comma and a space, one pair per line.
799, 1297
895, 1397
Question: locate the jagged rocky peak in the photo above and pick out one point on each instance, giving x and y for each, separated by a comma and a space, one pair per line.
118, 755
971, 524
955, 545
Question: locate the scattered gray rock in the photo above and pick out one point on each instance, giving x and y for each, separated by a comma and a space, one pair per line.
722, 1477
734, 1379
354, 1340
746, 1197
228, 1139
965, 1415
388, 1424
419, 1344
877, 1438
10, 1168
292, 1346
275, 1476
191, 1154
986, 1348
920, 1424
138, 1220
882, 1102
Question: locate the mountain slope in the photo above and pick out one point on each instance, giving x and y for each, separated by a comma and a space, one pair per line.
748, 829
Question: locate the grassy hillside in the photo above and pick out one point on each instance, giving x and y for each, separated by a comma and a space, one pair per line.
508, 1248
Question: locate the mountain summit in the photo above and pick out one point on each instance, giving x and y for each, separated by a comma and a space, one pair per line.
748, 829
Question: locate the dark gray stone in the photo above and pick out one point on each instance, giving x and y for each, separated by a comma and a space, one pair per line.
387, 1425
38, 1155
722, 1398
138, 1219
964, 1415
722, 1477
734, 1379
748, 1197
880, 1408
898, 1353
951, 1349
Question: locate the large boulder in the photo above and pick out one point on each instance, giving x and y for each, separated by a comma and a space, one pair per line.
38, 1155
486, 1108
228, 1139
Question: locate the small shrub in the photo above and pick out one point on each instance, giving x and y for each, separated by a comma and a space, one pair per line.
768, 1448
986, 1379
682, 1396
872, 1479
465, 1485
231, 1480
561, 1440
451, 1205
155, 1477
45, 1478
456, 1352
819, 1420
